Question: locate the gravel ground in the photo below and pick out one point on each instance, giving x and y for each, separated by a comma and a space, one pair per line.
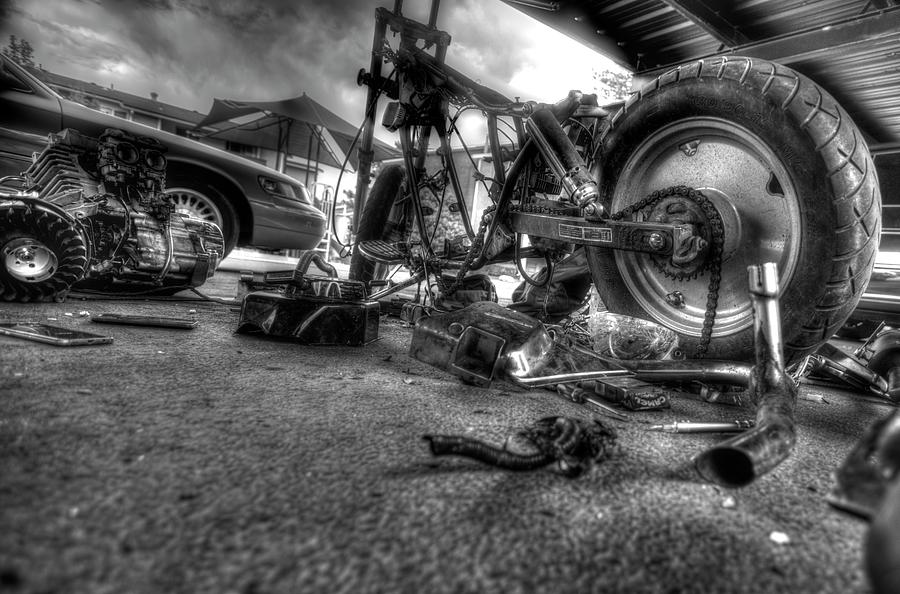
207, 461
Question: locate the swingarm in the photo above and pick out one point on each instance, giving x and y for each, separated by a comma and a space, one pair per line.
662, 239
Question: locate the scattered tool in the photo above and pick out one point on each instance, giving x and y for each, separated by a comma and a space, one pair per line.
632, 393
686, 427
139, 320
49, 334
830, 362
580, 395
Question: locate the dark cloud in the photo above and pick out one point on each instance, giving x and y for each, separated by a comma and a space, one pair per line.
190, 51
6, 10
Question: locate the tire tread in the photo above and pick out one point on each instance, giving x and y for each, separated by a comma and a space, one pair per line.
856, 201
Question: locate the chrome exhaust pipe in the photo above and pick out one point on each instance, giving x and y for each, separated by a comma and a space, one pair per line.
737, 462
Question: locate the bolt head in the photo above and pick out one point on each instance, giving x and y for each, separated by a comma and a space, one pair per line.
25, 254
656, 241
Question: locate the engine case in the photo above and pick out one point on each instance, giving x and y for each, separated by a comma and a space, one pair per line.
114, 188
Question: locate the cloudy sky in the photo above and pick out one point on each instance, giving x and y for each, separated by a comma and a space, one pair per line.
189, 51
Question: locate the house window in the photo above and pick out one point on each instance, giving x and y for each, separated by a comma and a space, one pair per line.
246, 150
147, 120
119, 113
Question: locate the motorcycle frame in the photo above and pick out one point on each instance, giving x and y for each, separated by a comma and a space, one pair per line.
533, 137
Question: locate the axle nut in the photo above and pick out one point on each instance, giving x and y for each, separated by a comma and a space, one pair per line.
675, 299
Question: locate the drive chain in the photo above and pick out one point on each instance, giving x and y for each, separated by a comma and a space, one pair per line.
714, 255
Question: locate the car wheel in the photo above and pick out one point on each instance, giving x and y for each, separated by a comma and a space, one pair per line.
196, 199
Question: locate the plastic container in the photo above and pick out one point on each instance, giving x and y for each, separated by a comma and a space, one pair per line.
625, 337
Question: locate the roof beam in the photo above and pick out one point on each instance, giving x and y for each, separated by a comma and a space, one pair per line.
709, 20
797, 46
794, 47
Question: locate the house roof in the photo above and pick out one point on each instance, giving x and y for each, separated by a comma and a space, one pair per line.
304, 113
265, 136
144, 104
849, 47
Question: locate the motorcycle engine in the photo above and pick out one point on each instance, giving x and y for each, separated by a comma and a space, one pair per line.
104, 200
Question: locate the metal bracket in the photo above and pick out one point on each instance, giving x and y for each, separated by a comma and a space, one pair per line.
653, 238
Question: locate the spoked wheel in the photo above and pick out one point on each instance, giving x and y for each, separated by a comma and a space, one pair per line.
42, 252
197, 199
790, 179
195, 204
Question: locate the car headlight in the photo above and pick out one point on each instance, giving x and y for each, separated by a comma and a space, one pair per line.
281, 189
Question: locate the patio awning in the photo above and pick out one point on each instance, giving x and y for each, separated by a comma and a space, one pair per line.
295, 126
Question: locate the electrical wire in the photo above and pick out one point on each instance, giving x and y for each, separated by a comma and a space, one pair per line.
453, 129
369, 111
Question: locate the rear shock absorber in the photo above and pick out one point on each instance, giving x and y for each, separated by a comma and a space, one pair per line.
563, 159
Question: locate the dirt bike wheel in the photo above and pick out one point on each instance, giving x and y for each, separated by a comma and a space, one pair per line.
42, 253
373, 224
791, 177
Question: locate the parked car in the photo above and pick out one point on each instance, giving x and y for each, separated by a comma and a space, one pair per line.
252, 204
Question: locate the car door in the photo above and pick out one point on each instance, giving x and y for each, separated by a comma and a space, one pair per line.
28, 113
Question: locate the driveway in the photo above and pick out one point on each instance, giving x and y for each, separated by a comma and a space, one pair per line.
206, 461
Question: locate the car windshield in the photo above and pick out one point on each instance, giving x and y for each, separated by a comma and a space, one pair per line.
11, 80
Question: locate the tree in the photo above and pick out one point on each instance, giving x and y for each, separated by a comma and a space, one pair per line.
19, 50
612, 85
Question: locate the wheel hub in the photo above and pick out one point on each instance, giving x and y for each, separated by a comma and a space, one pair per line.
194, 204
690, 258
29, 260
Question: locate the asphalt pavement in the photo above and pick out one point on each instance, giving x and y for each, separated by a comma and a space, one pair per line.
203, 460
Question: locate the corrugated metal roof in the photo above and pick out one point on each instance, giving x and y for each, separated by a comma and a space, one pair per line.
849, 47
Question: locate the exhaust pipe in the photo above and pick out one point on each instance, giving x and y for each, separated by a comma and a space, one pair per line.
737, 462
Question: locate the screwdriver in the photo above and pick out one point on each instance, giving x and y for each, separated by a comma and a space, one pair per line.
732, 427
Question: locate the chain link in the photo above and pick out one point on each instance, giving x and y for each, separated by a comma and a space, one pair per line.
714, 261
474, 250
713, 265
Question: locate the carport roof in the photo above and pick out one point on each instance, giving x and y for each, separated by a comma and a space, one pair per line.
850, 47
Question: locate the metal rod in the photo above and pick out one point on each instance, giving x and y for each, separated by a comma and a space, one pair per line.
413, 280
528, 151
413, 185
733, 427
496, 153
564, 378
708, 371
739, 461
432, 16
447, 151
364, 153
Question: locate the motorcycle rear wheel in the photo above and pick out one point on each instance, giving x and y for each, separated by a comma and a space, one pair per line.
788, 172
